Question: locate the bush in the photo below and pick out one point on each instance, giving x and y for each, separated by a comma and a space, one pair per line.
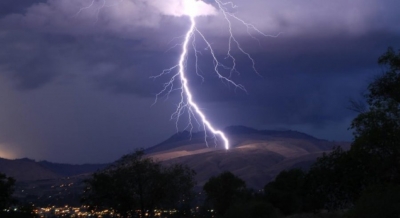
254, 209
378, 201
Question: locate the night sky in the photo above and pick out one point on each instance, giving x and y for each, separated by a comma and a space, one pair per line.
75, 84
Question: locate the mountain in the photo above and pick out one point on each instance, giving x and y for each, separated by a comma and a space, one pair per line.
66, 170
256, 156
183, 138
26, 170
30, 170
46, 183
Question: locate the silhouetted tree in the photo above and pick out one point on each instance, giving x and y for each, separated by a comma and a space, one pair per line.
337, 179
377, 130
223, 190
332, 181
286, 191
6, 191
136, 182
252, 209
378, 201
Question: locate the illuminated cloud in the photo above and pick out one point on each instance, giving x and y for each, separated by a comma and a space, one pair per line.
131, 18
75, 87
180, 8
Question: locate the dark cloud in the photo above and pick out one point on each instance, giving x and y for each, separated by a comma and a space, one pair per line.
16, 7
78, 84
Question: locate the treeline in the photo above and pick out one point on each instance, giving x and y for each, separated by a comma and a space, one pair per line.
7, 188
363, 181
137, 183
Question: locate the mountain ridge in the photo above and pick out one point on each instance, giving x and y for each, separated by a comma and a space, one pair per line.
256, 156
198, 137
184, 141
25, 169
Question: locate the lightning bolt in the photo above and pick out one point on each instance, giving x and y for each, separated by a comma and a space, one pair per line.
179, 72
190, 104
187, 102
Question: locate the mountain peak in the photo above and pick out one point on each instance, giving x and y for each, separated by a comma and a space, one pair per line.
240, 130
26, 159
180, 138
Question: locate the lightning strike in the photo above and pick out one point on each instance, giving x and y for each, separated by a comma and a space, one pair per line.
187, 103
192, 106
193, 9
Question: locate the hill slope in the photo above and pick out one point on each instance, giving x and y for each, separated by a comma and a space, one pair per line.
255, 156
30, 170
26, 170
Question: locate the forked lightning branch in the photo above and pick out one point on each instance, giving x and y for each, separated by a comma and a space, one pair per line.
187, 102
178, 73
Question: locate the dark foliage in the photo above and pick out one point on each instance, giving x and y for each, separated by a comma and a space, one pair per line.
224, 190
21, 211
252, 209
342, 179
378, 201
337, 180
286, 192
138, 183
6, 191
377, 130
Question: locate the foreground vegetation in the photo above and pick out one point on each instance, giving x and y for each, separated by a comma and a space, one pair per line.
361, 182
138, 183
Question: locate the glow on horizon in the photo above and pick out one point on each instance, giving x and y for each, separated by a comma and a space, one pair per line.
7, 153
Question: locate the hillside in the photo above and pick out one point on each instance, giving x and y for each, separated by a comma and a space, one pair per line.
255, 156
46, 183
26, 170
30, 170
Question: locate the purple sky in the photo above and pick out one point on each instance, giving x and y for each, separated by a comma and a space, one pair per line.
75, 84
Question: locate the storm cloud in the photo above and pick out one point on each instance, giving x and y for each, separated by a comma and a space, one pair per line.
75, 74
